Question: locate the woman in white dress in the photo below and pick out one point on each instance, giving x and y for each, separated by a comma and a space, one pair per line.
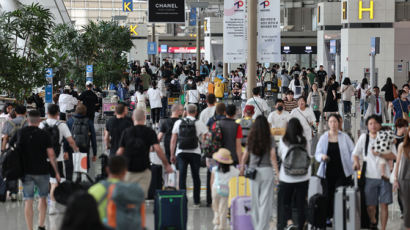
154, 96
140, 99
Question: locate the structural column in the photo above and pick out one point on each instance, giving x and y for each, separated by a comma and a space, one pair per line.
252, 49
226, 70
153, 40
198, 41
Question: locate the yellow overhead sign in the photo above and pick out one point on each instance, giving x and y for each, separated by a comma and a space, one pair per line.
370, 9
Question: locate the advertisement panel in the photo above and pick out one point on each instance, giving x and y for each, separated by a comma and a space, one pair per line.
169, 11
269, 31
235, 42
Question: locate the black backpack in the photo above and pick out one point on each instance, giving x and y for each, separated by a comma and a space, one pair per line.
80, 131
297, 161
54, 133
11, 160
187, 138
317, 211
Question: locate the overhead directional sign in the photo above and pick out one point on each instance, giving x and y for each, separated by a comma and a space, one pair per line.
127, 5
192, 17
89, 73
89, 68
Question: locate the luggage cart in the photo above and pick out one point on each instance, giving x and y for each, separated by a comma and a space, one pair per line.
108, 107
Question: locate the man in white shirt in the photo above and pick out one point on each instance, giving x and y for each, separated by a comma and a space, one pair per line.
164, 97
261, 107
306, 118
377, 105
66, 102
64, 133
377, 190
209, 112
279, 117
184, 155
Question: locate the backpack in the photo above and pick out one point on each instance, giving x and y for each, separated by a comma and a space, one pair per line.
187, 138
125, 206
16, 127
317, 211
54, 134
12, 162
213, 140
221, 189
298, 90
246, 125
80, 132
297, 161
219, 89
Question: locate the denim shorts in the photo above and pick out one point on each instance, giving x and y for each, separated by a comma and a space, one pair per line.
42, 183
378, 191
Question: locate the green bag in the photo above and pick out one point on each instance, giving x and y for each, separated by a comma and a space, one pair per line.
182, 99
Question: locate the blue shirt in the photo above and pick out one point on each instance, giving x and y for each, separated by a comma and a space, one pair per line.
346, 147
398, 105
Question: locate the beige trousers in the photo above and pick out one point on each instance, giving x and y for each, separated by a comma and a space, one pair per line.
142, 178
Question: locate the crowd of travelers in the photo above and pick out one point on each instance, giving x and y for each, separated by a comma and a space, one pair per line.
271, 144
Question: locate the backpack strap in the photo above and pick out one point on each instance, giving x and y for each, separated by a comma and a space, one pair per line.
366, 145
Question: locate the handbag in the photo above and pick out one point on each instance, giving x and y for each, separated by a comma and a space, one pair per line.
314, 129
251, 172
362, 180
404, 115
80, 162
392, 176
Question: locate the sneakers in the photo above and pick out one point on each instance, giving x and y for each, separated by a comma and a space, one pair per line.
196, 206
41, 228
13, 197
291, 227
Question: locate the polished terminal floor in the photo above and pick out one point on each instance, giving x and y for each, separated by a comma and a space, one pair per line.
12, 214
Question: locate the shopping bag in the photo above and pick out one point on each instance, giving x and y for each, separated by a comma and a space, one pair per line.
80, 162
172, 179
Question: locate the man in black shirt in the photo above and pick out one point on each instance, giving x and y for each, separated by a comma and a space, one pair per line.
135, 144
90, 100
322, 76
115, 126
36, 147
165, 128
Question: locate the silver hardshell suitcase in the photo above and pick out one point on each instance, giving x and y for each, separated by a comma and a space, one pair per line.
347, 207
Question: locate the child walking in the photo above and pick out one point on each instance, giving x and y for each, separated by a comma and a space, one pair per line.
220, 177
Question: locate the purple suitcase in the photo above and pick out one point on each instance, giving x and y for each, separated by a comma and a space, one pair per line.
241, 213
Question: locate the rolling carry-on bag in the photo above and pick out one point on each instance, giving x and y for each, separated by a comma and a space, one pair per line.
347, 207
241, 213
317, 211
171, 210
238, 186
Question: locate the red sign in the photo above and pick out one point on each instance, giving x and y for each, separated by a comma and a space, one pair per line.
182, 50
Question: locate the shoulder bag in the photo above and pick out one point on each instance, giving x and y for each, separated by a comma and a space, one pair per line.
362, 180
404, 115
251, 172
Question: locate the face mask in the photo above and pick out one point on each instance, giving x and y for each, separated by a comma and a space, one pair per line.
280, 108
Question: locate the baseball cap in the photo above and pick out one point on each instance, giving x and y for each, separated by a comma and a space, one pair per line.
67, 87
88, 83
249, 109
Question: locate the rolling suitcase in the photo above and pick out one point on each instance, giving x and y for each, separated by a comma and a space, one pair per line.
347, 207
241, 213
317, 211
171, 210
238, 186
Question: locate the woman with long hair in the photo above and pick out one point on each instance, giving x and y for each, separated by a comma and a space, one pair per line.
362, 90
315, 102
348, 92
261, 149
154, 96
193, 95
82, 213
331, 97
140, 98
334, 153
296, 85
292, 188
402, 177
390, 93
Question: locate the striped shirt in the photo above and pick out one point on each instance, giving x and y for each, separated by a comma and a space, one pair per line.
290, 105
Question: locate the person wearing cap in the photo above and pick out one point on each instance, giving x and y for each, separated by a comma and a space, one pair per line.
90, 100
221, 175
66, 102
246, 122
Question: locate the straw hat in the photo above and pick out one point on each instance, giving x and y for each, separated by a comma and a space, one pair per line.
223, 156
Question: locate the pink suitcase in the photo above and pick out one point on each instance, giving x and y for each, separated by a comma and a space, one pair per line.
241, 213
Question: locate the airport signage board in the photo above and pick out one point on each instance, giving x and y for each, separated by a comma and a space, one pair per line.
333, 46
299, 50
152, 48
234, 31
127, 5
49, 86
269, 31
89, 73
192, 17
167, 11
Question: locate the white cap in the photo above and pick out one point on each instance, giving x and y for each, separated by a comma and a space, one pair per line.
88, 83
67, 87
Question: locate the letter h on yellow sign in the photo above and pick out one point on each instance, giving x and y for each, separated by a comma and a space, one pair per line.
370, 9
